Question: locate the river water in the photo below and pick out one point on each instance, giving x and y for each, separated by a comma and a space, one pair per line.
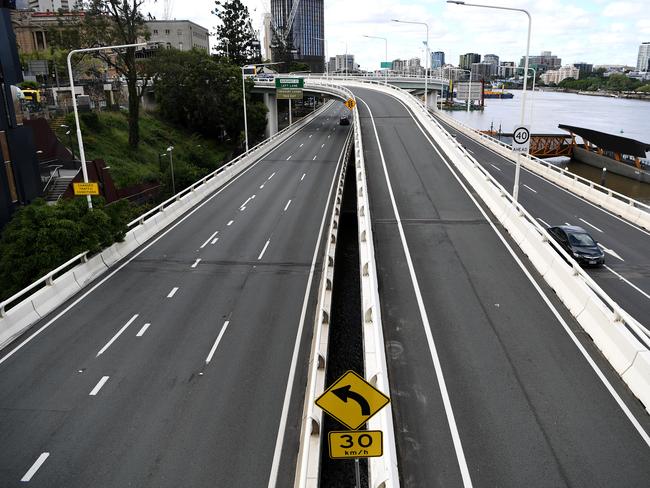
545, 110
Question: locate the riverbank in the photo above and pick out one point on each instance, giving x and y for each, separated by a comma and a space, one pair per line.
600, 93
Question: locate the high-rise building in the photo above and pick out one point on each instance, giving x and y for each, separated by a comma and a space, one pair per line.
344, 62
585, 69
437, 59
306, 31
466, 60
268, 36
493, 60
481, 71
50, 5
507, 69
543, 62
643, 61
557, 75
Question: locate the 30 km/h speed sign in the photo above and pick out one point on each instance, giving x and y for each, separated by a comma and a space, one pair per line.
356, 444
521, 139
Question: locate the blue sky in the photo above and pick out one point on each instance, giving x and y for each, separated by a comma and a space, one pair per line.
596, 31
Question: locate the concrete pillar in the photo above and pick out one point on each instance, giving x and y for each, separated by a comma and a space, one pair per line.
271, 103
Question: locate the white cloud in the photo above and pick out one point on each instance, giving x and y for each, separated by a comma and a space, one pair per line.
623, 9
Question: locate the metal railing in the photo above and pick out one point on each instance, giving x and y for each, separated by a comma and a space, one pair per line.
47, 280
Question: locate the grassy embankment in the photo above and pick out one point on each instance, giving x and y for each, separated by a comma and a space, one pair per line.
106, 137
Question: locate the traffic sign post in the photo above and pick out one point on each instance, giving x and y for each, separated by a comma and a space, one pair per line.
356, 444
352, 400
350, 103
521, 139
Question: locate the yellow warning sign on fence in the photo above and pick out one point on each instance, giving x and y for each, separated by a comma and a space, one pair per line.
350, 103
82, 189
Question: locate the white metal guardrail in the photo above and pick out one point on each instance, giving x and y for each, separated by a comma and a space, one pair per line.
53, 289
383, 471
621, 338
622, 205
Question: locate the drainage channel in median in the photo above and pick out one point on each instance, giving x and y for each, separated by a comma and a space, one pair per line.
345, 334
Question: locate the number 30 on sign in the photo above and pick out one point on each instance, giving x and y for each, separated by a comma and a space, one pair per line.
356, 444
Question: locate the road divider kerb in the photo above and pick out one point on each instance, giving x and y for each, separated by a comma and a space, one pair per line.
611, 328
51, 291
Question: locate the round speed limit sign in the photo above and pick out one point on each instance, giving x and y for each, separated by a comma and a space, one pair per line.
521, 139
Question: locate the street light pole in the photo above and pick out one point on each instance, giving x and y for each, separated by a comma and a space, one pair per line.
515, 190
82, 153
385, 51
170, 151
426, 64
243, 90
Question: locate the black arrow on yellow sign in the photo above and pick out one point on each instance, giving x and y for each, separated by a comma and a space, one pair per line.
344, 393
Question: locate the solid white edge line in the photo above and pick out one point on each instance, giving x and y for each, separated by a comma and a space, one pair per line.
143, 330
590, 225
209, 239
451, 420
264, 250
216, 343
543, 222
173, 292
621, 277
287, 205
99, 386
277, 454
531, 189
628, 413
35, 467
196, 263
119, 333
173, 226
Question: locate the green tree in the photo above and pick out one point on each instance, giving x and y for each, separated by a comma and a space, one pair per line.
118, 22
204, 93
236, 35
620, 82
41, 237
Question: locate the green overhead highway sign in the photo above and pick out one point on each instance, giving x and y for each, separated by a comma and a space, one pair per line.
296, 83
386, 64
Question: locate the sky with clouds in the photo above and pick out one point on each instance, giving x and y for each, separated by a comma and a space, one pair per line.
595, 31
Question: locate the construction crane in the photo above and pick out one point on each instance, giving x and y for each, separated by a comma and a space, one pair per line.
167, 11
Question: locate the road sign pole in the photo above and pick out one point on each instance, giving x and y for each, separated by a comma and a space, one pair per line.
290, 112
357, 472
515, 189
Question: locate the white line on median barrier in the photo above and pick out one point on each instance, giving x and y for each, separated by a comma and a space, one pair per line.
216, 343
119, 333
35, 467
99, 386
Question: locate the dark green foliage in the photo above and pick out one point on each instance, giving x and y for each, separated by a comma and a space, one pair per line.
29, 85
236, 33
616, 82
204, 94
41, 237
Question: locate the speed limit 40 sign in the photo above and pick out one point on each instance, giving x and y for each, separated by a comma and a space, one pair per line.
521, 139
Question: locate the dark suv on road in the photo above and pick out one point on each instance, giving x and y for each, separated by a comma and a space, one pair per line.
344, 120
578, 243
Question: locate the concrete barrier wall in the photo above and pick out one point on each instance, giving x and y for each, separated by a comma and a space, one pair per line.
608, 325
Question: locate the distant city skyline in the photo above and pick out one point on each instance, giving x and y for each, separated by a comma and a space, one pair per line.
593, 31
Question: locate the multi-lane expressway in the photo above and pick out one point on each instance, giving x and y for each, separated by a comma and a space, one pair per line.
493, 382
186, 367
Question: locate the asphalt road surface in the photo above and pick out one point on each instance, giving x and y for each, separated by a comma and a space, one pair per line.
626, 274
492, 382
176, 371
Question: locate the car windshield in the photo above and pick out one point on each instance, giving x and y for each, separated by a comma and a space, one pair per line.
581, 240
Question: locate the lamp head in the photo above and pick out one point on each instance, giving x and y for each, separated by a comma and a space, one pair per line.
456, 2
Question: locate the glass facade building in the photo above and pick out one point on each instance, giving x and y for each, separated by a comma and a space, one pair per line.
308, 25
